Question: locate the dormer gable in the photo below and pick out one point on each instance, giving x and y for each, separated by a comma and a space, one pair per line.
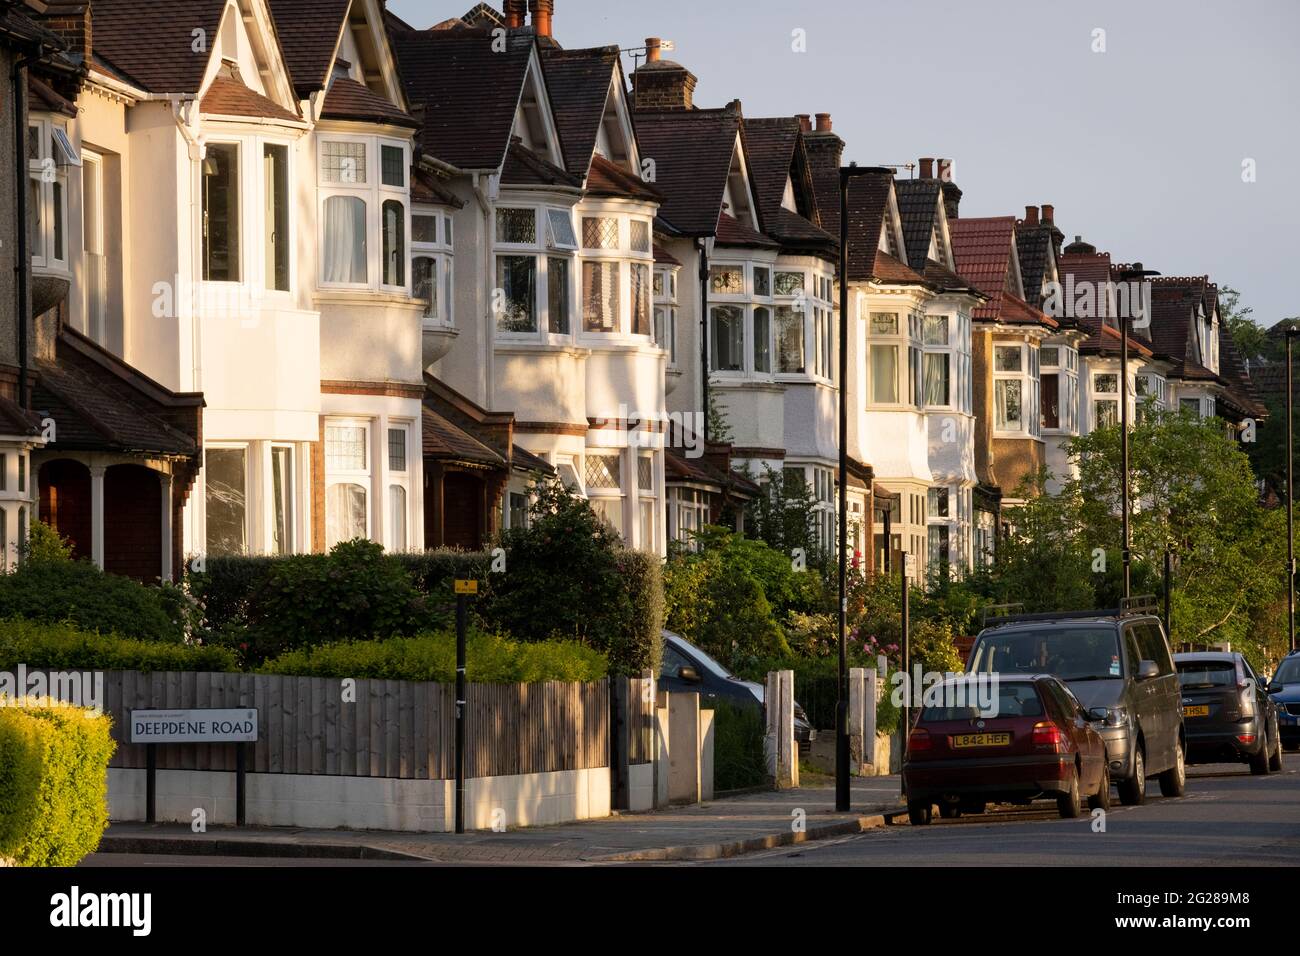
246, 51
534, 121
738, 196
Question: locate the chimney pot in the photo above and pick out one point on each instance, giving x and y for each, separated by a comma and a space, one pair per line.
805, 121
652, 45
514, 11
927, 167
1048, 212
823, 122
1031, 215
541, 12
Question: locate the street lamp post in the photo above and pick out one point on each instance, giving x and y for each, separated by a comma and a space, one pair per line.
842, 703
1127, 275
1291, 333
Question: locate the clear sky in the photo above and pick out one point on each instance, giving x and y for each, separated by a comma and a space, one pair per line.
1140, 147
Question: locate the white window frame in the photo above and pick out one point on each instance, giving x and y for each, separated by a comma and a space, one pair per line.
647, 497
620, 494
665, 300
350, 476
1096, 395
746, 301
906, 340
374, 193
250, 490
37, 171
1027, 376
444, 258
540, 250
398, 479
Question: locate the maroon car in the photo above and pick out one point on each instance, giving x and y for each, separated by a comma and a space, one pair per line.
1033, 739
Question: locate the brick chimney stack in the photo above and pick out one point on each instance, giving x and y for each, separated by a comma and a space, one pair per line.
805, 122
541, 12
514, 11
1049, 212
824, 122
660, 83
951, 191
927, 167
1031, 215
70, 19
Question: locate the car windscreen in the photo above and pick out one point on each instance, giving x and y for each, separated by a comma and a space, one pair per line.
1086, 652
707, 661
1288, 672
1206, 673
1015, 699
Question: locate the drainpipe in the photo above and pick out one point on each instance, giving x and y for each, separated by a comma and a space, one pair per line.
702, 250
22, 261
489, 276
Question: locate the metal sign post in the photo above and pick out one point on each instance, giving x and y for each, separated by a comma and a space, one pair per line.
237, 725
904, 565
464, 588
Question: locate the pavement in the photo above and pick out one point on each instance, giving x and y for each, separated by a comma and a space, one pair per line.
719, 829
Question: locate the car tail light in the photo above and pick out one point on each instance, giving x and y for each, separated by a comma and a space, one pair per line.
1246, 738
1047, 734
919, 740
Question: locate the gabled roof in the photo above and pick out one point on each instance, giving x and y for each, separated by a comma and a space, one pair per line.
918, 203
775, 153
349, 100
103, 404
1034, 244
692, 152
444, 441
428, 188
469, 92
309, 33
152, 43
825, 153
868, 207
579, 82
228, 97
983, 249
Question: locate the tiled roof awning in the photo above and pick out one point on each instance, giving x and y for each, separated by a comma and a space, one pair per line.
349, 100
228, 97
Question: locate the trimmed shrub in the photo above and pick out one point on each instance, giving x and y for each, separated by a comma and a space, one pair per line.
353, 593
56, 589
53, 783
738, 758
638, 644
63, 647
224, 586
489, 659
433, 572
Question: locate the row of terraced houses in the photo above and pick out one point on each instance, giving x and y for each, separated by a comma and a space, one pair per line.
302, 272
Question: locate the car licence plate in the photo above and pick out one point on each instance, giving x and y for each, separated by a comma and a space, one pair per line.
1199, 710
961, 741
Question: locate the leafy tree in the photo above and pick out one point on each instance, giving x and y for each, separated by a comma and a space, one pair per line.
718, 426
1249, 336
1045, 562
785, 517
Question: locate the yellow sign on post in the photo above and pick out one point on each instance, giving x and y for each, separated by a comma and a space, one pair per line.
464, 586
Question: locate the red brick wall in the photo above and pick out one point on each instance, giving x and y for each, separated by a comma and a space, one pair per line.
132, 522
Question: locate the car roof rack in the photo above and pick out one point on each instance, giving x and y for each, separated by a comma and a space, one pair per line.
1139, 604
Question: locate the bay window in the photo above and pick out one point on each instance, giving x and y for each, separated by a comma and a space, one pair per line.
363, 188
347, 481
640, 273
688, 512
225, 473
399, 483
282, 500
432, 262
534, 287
221, 205
664, 289
49, 153
600, 295
275, 225
647, 502
789, 339
1015, 389
1105, 399
938, 338
1059, 385
604, 474
741, 320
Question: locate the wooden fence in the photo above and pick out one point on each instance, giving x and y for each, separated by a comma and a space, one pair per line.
387, 728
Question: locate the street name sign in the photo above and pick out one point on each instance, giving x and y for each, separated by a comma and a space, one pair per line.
238, 725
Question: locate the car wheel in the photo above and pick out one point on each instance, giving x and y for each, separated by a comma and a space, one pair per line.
1275, 762
1259, 763
1173, 782
1101, 799
1133, 791
949, 811
919, 814
1068, 804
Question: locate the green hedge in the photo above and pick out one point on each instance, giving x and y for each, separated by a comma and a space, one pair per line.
64, 647
738, 758
491, 659
53, 783
638, 642
60, 590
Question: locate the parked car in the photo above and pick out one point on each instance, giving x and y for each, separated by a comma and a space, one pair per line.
1229, 715
687, 669
1042, 743
1284, 688
1118, 663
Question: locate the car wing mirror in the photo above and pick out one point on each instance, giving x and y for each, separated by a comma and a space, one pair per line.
689, 674
1096, 713
1148, 670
